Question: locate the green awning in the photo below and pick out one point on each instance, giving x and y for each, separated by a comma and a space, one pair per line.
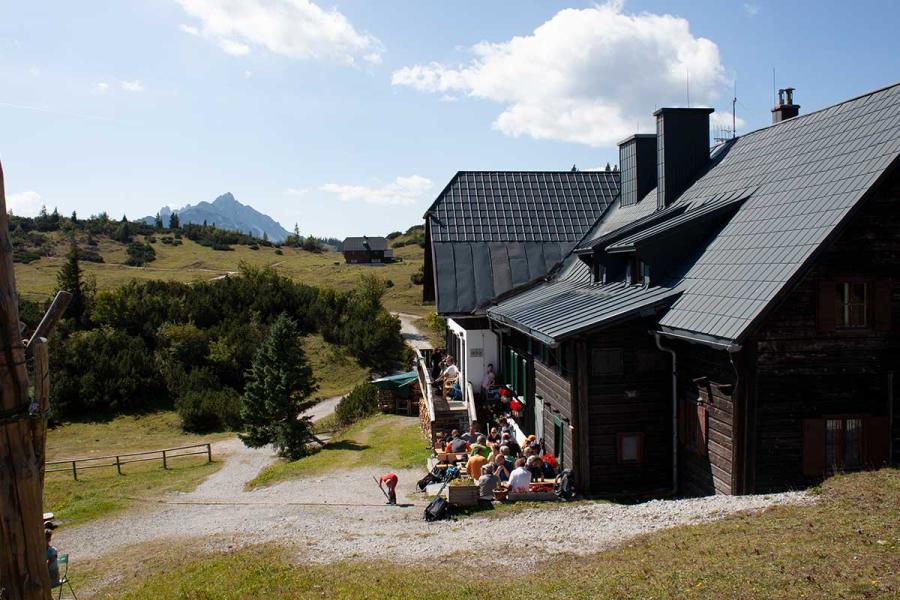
395, 382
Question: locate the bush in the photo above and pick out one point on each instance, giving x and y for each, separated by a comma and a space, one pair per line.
254, 246
361, 402
209, 410
418, 278
90, 256
389, 283
393, 234
279, 252
139, 254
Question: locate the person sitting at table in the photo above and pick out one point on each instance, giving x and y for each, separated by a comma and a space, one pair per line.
520, 478
550, 465
500, 469
475, 465
487, 483
457, 445
471, 435
493, 436
512, 444
449, 373
480, 447
509, 458
535, 466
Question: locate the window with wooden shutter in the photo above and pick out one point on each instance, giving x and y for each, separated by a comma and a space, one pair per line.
876, 441
881, 305
814, 447
825, 310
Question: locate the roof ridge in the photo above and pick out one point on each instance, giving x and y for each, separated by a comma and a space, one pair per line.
823, 109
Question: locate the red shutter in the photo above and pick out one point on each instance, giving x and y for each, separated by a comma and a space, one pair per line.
826, 307
881, 305
813, 447
875, 441
701, 417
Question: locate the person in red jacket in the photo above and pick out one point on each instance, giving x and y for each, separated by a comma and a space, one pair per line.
390, 481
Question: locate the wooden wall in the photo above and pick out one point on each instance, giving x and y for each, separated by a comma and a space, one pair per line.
706, 374
804, 372
555, 391
635, 400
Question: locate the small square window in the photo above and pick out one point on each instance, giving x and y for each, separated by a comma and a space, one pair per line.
850, 305
631, 447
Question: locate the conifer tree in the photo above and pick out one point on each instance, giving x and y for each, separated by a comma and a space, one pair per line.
279, 385
174, 222
69, 279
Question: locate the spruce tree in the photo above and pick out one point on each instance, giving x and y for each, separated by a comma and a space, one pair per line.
174, 222
69, 279
279, 385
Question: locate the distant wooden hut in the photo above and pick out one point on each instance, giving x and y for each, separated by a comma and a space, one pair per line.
361, 250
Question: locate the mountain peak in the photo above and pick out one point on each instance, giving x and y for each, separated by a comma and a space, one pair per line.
225, 199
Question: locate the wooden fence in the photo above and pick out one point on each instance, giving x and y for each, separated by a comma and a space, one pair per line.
117, 461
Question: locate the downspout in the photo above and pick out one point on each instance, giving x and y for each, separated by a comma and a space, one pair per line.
659, 345
736, 400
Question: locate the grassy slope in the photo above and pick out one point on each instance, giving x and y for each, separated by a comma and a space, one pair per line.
383, 440
844, 546
99, 492
191, 261
334, 368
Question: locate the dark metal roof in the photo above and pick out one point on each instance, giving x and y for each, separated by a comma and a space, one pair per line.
521, 206
811, 171
555, 310
493, 231
360, 244
795, 183
703, 210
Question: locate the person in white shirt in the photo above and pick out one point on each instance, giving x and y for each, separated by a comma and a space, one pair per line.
450, 372
520, 478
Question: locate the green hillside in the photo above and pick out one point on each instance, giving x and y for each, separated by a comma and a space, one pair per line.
191, 261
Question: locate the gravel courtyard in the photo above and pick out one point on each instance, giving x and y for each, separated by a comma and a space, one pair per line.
342, 515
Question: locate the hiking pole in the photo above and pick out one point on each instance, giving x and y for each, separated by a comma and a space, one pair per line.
381, 488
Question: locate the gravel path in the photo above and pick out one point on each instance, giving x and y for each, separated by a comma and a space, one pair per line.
410, 333
342, 515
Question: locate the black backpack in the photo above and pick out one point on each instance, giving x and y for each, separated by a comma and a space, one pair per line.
564, 486
437, 509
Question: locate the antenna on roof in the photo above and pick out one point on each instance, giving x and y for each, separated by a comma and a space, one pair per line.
733, 111
774, 88
574, 169
688, 88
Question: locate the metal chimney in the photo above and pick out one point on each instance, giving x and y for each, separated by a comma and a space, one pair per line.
785, 109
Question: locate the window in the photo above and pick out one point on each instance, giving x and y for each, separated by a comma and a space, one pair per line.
850, 304
559, 446
606, 361
635, 277
842, 444
631, 447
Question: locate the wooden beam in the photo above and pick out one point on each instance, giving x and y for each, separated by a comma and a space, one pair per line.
23, 563
50, 320
42, 398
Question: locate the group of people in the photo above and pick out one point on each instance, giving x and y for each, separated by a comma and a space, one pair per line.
497, 460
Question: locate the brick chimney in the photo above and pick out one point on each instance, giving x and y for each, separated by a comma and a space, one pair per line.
682, 150
785, 109
637, 157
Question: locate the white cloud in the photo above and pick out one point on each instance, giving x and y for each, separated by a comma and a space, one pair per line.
234, 48
723, 120
132, 86
24, 204
751, 9
294, 28
403, 190
189, 29
586, 75
101, 88
296, 191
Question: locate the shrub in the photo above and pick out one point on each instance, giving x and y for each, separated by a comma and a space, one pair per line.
279, 252
209, 410
139, 254
393, 234
388, 283
254, 246
361, 402
90, 256
418, 278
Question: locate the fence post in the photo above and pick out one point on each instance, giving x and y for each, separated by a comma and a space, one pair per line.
74, 471
118, 465
209, 453
165, 466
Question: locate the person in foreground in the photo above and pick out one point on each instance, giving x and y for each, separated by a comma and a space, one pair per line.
389, 480
520, 478
52, 564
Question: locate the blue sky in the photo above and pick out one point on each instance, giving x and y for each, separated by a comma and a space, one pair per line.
350, 118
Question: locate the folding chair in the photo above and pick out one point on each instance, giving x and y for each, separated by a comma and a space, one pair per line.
63, 560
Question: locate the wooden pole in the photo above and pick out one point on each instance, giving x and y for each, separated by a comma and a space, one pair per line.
23, 563
42, 398
49, 321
